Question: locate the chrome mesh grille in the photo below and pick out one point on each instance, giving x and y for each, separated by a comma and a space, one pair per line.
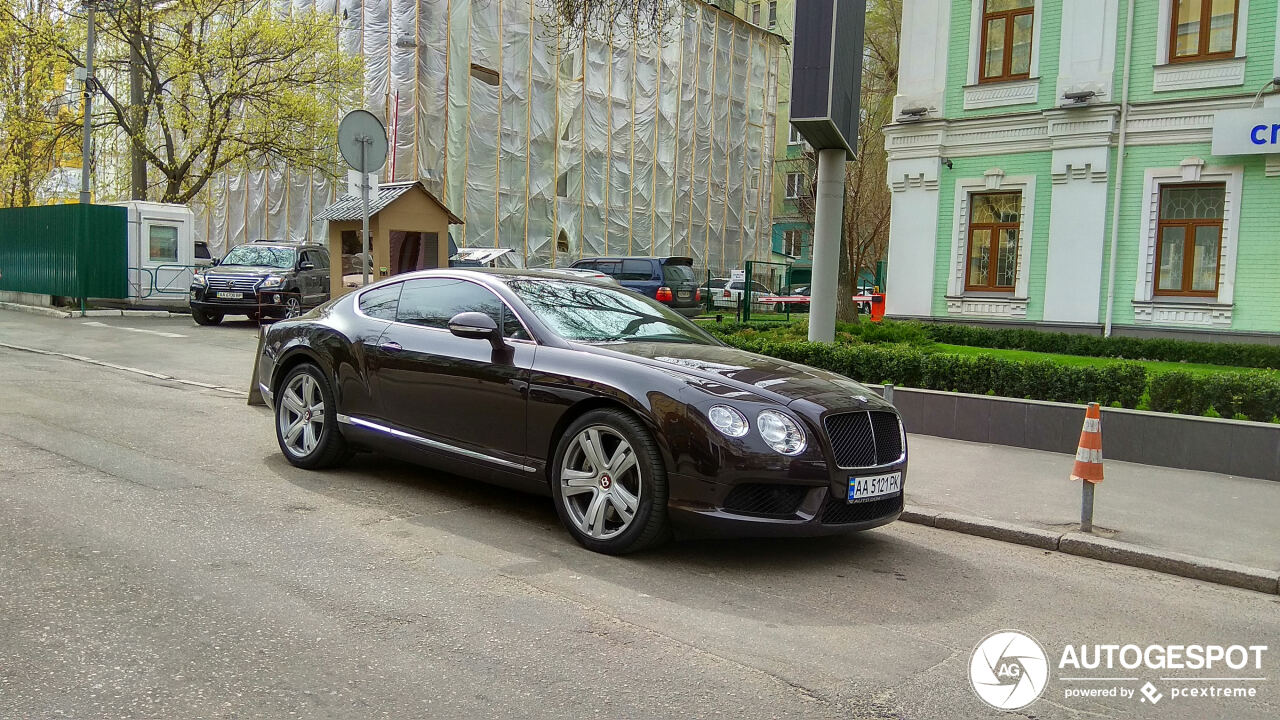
225, 282
864, 439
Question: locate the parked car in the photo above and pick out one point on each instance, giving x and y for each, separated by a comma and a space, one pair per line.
669, 280
261, 280
630, 416
203, 258
727, 294
584, 274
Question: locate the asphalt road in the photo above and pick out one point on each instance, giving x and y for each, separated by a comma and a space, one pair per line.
159, 559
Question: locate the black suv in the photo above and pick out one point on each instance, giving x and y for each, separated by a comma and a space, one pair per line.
261, 280
669, 280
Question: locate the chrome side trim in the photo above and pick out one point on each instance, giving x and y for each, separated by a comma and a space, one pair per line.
433, 444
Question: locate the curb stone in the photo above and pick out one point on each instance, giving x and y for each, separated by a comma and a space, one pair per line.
1095, 548
34, 310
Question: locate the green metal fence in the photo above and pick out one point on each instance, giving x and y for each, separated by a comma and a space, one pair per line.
78, 251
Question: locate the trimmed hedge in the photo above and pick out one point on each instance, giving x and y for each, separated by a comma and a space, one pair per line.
1246, 395
1122, 383
1212, 353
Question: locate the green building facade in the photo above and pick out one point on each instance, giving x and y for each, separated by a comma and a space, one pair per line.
1032, 185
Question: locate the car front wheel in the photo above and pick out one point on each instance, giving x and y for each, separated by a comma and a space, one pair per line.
307, 420
292, 306
609, 483
204, 317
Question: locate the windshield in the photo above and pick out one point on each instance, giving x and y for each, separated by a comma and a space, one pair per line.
261, 256
591, 313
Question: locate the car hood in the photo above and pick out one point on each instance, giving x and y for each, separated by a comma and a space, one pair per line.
239, 270
778, 380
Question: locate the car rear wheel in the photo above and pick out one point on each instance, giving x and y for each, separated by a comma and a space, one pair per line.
609, 483
307, 420
204, 317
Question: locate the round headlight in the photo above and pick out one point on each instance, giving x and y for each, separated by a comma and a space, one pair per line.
781, 432
727, 420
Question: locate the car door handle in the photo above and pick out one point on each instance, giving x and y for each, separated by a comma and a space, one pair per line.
391, 346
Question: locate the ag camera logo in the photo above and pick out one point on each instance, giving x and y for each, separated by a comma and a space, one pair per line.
1008, 670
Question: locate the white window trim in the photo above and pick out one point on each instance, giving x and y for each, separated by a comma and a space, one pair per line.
975, 40
1170, 77
994, 180
1173, 310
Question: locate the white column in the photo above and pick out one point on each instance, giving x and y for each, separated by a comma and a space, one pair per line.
913, 236
1077, 224
1087, 58
922, 55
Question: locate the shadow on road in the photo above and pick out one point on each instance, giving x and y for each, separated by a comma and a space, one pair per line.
792, 581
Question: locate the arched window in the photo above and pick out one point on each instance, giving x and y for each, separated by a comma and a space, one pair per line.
562, 242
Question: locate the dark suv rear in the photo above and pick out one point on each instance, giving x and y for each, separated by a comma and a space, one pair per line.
669, 280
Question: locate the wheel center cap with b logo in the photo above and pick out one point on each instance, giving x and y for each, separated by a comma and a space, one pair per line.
605, 481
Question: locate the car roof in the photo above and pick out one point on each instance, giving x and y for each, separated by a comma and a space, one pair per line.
662, 258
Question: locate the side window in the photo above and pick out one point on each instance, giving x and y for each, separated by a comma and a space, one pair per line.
585, 264
609, 267
636, 270
307, 257
321, 259
735, 285
430, 302
381, 302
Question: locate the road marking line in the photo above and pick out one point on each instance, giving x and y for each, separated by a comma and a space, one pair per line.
125, 368
136, 330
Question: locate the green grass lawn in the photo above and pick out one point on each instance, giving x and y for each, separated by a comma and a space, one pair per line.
1153, 366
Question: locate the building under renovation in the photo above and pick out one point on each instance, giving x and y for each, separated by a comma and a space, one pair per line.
556, 152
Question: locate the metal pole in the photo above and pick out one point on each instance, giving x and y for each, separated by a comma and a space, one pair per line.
86, 148
828, 219
1086, 507
138, 170
364, 200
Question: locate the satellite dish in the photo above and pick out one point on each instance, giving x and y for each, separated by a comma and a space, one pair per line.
359, 131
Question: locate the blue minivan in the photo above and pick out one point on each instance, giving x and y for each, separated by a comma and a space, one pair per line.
669, 280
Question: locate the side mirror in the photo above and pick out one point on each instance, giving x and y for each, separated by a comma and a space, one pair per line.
476, 326
306, 265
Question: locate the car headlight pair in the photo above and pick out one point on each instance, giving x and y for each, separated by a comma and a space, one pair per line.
778, 431
272, 281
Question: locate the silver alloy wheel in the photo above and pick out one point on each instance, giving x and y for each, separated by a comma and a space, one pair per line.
600, 482
301, 415
292, 307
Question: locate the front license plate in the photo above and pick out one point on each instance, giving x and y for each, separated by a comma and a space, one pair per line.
878, 486
230, 296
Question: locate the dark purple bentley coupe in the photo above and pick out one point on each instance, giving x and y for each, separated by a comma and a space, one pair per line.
634, 420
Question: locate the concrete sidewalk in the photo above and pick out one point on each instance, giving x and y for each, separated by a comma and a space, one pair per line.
1206, 515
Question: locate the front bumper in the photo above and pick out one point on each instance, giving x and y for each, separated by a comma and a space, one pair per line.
265, 303
809, 508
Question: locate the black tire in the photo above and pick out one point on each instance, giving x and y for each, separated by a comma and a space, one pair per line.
777, 307
648, 526
204, 317
330, 448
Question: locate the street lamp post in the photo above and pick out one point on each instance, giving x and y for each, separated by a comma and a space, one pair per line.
86, 148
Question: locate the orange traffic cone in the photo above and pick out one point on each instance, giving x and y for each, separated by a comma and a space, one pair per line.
1088, 465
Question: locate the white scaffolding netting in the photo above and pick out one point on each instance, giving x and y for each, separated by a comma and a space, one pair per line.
660, 148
